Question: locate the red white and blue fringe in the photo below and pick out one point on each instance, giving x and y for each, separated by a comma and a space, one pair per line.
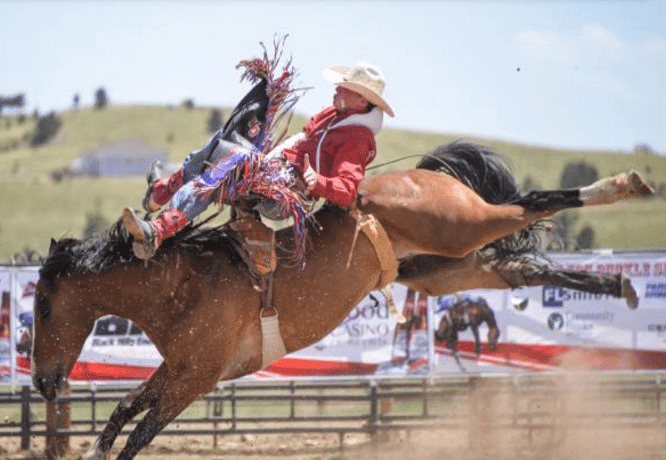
247, 173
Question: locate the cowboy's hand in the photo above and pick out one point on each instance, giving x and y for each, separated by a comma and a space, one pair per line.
309, 174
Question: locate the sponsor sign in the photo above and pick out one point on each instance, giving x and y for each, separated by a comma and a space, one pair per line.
540, 328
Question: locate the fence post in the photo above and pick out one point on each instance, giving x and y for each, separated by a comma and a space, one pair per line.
374, 412
58, 417
25, 417
385, 413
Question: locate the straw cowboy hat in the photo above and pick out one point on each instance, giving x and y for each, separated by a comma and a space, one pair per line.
364, 79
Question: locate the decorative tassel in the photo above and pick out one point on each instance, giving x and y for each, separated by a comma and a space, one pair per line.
247, 172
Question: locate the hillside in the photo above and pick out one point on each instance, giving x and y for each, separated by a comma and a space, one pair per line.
35, 208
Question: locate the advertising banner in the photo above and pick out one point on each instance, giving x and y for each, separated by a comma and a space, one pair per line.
522, 330
550, 327
17, 286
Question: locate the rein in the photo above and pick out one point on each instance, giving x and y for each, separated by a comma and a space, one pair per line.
368, 168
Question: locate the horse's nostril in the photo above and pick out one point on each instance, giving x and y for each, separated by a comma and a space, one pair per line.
48, 386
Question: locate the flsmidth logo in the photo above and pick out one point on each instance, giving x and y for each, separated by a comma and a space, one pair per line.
555, 296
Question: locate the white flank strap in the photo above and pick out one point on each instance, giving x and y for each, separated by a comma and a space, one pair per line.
272, 345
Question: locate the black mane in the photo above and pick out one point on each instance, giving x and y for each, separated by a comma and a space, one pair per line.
113, 247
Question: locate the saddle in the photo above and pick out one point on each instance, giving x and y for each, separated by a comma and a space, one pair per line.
255, 243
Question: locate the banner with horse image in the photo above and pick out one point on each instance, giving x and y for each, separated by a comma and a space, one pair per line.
17, 285
540, 328
550, 327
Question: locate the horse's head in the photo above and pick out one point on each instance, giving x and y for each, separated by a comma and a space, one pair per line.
61, 326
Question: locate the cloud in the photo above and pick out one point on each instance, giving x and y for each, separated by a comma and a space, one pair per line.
544, 45
592, 42
655, 46
598, 38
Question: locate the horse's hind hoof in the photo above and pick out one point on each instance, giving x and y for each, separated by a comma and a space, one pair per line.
637, 184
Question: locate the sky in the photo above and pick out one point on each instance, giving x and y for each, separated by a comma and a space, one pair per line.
581, 75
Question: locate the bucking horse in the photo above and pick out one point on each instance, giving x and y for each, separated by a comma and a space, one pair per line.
197, 303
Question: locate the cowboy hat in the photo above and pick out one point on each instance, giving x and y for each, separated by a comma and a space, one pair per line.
364, 79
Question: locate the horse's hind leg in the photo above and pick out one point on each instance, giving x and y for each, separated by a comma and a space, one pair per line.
605, 191
436, 275
428, 212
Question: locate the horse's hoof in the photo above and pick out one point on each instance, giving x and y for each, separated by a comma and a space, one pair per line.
94, 454
628, 292
638, 185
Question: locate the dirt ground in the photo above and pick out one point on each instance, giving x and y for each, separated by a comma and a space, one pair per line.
570, 440
589, 444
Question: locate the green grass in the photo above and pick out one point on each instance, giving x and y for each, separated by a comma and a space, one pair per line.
33, 209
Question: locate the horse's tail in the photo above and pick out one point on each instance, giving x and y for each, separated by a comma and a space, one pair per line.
487, 173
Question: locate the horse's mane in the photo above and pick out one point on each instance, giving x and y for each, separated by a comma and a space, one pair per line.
488, 174
113, 247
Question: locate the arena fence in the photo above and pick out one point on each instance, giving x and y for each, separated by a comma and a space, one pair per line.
540, 406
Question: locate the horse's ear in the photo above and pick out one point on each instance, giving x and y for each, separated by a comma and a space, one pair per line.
52, 247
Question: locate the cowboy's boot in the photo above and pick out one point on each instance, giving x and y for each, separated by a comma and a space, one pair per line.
259, 242
161, 189
148, 236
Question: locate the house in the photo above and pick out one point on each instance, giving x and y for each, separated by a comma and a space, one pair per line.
123, 158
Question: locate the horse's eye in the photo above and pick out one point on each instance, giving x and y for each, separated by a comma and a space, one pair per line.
42, 306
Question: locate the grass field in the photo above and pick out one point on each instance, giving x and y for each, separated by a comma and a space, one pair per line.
34, 208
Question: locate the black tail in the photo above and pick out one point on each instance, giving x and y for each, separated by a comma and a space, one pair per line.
486, 172
482, 169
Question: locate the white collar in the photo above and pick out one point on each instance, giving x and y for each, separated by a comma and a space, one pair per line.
373, 120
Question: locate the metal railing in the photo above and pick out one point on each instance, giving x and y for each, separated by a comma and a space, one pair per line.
553, 403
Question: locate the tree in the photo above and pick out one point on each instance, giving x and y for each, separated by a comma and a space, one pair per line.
644, 149
95, 223
577, 175
101, 99
560, 233
585, 239
215, 120
47, 127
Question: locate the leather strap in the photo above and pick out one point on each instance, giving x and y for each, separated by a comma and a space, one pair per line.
375, 232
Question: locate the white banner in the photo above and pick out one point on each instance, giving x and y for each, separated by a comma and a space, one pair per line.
548, 327
540, 328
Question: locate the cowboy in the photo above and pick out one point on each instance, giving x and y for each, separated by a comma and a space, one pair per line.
340, 140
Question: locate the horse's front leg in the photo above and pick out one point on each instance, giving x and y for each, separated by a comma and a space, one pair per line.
177, 391
138, 400
477, 340
453, 346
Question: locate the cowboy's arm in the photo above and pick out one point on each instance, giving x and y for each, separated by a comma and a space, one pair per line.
340, 185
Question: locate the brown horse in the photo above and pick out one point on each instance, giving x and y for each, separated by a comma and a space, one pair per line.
197, 304
467, 312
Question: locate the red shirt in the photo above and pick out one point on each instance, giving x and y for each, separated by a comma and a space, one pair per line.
343, 155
